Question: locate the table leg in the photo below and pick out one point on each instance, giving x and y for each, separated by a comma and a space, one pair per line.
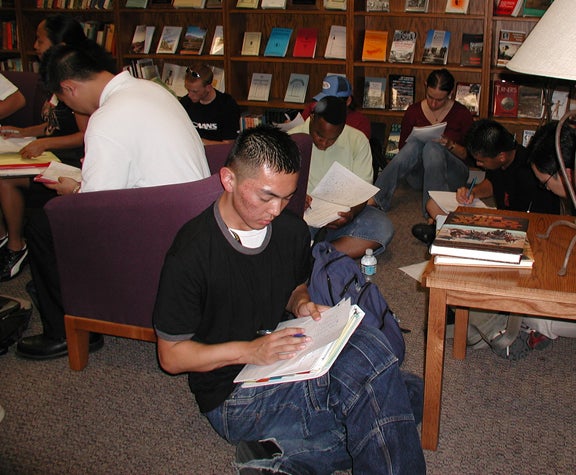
460, 333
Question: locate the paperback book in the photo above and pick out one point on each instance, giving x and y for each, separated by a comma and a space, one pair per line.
374, 47
508, 7
260, 87
173, 76
402, 91
193, 41
530, 102
305, 43
403, 47
392, 148
251, 43
472, 49
278, 42
468, 94
377, 5
335, 4
490, 237
436, 47
457, 6
505, 99
336, 44
169, 40
416, 6
247, 4
217, 47
508, 43
138, 39
218, 78
559, 103
188, 3
297, 86
536, 7
527, 135
273, 4
374, 93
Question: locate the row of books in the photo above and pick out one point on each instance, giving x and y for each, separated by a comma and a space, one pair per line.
170, 39
102, 33
535, 8
9, 34
174, 3
75, 4
418, 6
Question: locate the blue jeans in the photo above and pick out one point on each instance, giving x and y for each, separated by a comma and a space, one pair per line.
357, 416
426, 166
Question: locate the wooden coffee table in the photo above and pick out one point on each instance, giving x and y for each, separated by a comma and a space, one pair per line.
539, 291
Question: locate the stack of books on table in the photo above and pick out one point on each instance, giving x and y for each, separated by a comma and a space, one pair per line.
483, 239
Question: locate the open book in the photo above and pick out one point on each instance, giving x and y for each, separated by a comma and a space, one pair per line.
339, 190
329, 335
427, 133
56, 170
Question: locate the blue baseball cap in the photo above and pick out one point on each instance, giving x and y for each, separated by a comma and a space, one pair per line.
334, 85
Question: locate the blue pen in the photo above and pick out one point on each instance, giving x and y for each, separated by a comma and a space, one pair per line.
472, 185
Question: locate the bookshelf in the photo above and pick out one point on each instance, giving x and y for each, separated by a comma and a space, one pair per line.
239, 69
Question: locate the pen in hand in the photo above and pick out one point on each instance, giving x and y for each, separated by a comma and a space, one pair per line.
472, 185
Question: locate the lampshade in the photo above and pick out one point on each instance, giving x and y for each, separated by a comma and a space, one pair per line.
550, 48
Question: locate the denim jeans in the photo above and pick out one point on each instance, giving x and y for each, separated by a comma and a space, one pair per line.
427, 166
357, 416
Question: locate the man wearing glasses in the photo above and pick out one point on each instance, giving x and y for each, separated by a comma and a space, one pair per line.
215, 114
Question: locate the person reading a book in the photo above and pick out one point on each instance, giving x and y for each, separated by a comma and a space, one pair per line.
61, 132
361, 227
247, 248
123, 150
215, 114
509, 179
339, 86
435, 165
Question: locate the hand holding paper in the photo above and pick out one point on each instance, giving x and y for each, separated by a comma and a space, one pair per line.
428, 133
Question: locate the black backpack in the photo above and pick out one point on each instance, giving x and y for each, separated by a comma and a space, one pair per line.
14, 318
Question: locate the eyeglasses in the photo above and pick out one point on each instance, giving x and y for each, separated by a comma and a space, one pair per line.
192, 73
544, 184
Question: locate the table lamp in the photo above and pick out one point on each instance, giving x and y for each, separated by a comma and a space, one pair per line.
550, 51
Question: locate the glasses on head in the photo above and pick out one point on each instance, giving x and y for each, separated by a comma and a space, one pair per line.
544, 184
192, 73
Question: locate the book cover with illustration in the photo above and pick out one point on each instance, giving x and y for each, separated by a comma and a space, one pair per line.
374, 93
508, 43
505, 95
403, 47
374, 47
436, 47
472, 49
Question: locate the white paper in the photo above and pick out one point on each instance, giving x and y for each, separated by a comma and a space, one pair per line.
56, 169
415, 270
286, 126
14, 144
448, 202
430, 132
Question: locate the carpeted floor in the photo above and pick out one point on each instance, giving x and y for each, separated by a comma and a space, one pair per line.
122, 415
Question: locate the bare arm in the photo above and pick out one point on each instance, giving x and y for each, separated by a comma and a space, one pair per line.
14, 102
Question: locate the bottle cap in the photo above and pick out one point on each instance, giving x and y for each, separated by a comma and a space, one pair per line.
369, 252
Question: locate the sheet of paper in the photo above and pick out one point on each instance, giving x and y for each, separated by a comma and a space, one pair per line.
55, 170
430, 132
14, 144
415, 270
323, 212
448, 202
286, 126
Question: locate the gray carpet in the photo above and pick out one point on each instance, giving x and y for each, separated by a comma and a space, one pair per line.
122, 415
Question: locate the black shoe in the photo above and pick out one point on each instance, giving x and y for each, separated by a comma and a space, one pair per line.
41, 347
424, 232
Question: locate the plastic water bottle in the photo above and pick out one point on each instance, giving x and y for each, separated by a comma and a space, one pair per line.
368, 264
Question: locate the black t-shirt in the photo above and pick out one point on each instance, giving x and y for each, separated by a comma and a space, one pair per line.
517, 189
61, 122
213, 290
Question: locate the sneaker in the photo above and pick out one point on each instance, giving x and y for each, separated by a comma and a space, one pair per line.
3, 240
12, 262
424, 232
537, 341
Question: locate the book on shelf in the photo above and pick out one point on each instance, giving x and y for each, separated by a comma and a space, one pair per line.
559, 102
508, 7
217, 46
508, 43
138, 39
188, 3
457, 6
297, 86
377, 5
393, 141
339, 190
436, 47
278, 42
247, 4
472, 49
160, 3
193, 41
335, 4
147, 69
527, 135
134, 4
329, 336
491, 237
218, 78
374, 93
505, 96
416, 6
530, 101
260, 87
535, 8
526, 261
305, 43
403, 47
169, 40
251, 43
249, 120
468, 94
401, 91
108, 41
273, 4
375, 44
213, 4
173, 77
336, 44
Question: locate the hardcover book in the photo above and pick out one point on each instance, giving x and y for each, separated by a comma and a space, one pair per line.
169, 40
457, 6
297, 86
508, 43
375, 43
403, 47
489, 237
377, 5
508, 7
526, 261
530, 101
402, 91
374, 93
417, 6
193, 41
336, 44
278, 42
436, 47
251, 43
468, 94
505, 99
305, 43
217, 47
260, 87
472, 49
